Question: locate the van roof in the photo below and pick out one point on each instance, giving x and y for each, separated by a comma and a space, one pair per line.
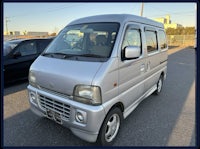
120, 18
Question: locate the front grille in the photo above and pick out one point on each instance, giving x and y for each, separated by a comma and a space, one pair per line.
54, 92
56, 106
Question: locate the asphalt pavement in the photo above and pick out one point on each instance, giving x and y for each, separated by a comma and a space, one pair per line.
164, 120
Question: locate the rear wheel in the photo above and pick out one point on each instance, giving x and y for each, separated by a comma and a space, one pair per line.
159, 85
110, 127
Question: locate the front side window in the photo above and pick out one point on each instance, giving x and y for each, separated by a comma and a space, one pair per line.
132, 38
84, 42
27, 48
151, 41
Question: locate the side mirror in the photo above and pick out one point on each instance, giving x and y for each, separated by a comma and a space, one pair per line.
17, 54
132, 52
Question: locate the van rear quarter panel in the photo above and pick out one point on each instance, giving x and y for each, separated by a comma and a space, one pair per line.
153, 68
156, 65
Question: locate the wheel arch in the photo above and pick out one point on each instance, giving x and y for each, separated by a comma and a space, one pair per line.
119, 105
162, 75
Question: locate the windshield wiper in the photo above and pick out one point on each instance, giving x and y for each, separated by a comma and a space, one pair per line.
65, 56
48, 54
93, 55
52, 54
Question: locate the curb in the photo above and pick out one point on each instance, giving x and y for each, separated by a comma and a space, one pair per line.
174, 50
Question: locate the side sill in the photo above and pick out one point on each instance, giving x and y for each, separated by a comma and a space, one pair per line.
136, 103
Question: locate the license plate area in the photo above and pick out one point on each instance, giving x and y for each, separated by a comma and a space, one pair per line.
54, 116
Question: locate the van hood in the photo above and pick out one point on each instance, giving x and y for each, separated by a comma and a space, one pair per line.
61, 75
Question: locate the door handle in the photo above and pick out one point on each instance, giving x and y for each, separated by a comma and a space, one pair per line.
148, 65
142, 67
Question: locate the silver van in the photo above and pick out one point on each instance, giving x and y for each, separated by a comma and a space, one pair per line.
96, 72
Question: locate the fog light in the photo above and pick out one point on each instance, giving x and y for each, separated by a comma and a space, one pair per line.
80, 116
33, 97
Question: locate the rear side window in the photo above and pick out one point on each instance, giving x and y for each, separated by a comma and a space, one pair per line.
151, 41
162, 39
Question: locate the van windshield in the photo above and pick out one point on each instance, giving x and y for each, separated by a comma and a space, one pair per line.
86, 42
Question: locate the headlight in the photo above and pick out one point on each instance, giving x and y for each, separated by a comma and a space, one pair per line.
32, 79
87, 94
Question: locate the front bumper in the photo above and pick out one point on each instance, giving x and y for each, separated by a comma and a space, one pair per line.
67, 110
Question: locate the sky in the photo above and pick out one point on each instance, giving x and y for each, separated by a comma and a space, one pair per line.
52, 17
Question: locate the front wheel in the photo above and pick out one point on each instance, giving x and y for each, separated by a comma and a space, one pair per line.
110, 127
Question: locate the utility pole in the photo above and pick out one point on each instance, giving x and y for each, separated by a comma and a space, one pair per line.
7, 25
142, 7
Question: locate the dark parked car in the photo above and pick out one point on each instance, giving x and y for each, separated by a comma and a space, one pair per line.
19, 55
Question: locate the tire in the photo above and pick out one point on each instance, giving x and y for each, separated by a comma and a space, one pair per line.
110, 127
159, 85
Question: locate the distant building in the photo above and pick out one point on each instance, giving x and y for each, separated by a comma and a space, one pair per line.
37, 33
16, 33
167, 22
